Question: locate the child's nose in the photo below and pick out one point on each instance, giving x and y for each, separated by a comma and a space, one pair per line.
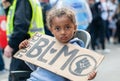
62, 31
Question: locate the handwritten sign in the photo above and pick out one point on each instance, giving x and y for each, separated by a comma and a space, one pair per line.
67, 60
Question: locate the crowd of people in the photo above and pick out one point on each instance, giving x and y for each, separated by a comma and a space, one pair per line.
104, 26
24, 17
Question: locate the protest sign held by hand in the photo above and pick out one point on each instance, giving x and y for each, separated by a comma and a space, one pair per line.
67, 60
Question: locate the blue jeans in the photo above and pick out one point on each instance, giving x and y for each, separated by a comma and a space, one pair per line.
1, 61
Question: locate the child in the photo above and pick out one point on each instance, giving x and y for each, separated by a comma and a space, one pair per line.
62, 24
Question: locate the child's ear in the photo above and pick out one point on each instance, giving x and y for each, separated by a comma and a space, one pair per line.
75, 27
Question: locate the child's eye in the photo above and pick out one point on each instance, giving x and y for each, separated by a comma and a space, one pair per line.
67, 27
57, 28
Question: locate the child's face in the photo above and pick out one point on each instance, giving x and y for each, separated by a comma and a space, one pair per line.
63, 29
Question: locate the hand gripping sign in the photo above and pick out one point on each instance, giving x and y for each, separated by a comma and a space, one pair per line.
67, 60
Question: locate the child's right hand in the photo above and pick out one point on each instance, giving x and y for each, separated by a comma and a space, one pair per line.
92, 75
23, 44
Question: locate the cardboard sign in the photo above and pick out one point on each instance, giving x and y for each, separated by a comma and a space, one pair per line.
67, 60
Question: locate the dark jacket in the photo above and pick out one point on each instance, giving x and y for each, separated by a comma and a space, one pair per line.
96, 12
22, 18
7, 9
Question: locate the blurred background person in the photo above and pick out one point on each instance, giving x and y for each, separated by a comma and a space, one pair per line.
2, 65
46, 6
81, 8
23, 20
112, 6
117, 17
3, 38
98, 25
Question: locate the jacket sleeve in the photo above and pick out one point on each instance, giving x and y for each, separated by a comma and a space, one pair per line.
31, 66
22, 18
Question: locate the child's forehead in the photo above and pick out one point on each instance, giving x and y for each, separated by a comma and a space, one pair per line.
61, 18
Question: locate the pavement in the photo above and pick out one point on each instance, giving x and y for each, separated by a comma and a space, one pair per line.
109, 69
4, 76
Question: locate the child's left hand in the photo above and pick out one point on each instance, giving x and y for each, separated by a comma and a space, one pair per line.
23, 44
92, 75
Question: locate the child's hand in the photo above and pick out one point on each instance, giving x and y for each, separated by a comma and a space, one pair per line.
92, 75
23, 44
